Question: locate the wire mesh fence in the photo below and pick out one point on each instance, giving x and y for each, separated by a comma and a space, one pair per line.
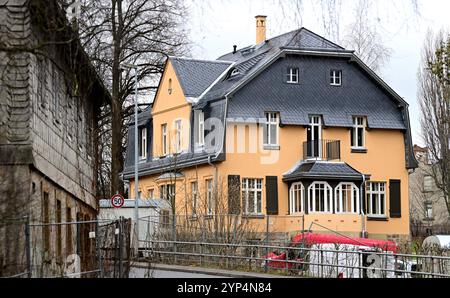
82, 248
258, 244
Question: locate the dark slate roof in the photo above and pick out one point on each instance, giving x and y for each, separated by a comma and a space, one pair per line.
143, 116
170, 163
196, 76
322, 170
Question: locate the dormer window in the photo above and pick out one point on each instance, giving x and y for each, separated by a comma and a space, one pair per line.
200, 141
142, 143
235, 72
335, 77
292, 75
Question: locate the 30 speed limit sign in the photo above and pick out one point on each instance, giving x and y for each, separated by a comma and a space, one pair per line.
117, 201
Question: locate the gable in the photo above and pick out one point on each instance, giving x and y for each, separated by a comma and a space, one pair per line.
164, 100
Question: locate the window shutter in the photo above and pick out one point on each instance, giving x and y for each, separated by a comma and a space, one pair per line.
234, 194
395, 199
272, 195
265, 140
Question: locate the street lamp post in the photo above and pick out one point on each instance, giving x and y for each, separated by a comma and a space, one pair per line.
136, 154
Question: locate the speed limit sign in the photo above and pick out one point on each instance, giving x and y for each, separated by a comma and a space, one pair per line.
117, 201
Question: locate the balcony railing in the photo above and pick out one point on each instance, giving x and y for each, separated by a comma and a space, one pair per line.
322, 150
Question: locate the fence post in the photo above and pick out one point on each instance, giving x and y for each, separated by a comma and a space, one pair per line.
266, 269
174, 231
120, 246
97, 244
28, 246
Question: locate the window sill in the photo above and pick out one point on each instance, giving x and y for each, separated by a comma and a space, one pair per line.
377, 218
208, 216
359, 150
271, 147
253, 216
428, 219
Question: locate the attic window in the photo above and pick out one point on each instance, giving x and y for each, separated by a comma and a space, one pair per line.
335, 77
234, 72
292, 75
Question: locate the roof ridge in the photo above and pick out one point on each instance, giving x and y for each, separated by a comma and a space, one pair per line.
200, 60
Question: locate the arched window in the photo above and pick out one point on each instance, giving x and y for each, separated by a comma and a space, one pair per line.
320, 198
347, 198
296, 198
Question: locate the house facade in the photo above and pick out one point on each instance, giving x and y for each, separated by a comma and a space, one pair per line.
293, 126
50, 98
429, 215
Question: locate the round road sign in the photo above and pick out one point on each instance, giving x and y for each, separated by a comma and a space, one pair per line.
117, 201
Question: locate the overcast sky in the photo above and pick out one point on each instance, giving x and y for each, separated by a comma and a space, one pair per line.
216, 25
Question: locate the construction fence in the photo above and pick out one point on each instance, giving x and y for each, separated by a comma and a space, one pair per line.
92, 248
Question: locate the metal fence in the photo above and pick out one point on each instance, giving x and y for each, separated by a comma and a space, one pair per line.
238, 242
89, 248
318, 261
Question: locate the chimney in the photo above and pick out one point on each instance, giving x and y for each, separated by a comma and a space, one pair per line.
234, 49
260, 29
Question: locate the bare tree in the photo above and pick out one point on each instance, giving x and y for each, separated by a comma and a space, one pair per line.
434, 101
120, 32
365, 38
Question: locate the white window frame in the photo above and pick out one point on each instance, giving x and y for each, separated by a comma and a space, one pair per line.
256, 189
201, 129
178, 135
164, 139
194, 197
151, 193
335, 76
296, 197
293, 72
372, 194
272, 119
143, 143
356, 125
339, 198
209, 197
316, 121
328, 197
167, 191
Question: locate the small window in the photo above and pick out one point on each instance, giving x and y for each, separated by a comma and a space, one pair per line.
201, 129
234, 72
376, 199
151, 193
169, 90
296, 198
336, 77
358, 132
428, 184
271, 129
142, 135
167, 192
164, 149
292, 75
252, 196
428, 210
178, 136
209, 197
194, 194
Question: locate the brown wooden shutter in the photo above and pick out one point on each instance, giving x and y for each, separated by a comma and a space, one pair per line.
272, 195
234, 194
395, 199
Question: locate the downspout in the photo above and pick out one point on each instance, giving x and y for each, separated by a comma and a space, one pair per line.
361, 200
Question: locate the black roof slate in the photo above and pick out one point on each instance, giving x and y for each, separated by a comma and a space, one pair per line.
196, 76
325, 170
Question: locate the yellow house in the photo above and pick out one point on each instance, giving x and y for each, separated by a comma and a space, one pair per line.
293, 127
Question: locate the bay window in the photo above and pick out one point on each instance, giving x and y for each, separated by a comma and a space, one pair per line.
296, 198
347, 198
320, 198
